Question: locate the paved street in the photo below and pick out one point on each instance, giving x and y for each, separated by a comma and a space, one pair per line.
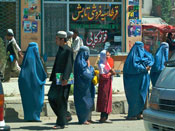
119, 124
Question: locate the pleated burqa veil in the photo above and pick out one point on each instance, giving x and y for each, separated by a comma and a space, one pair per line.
31, 83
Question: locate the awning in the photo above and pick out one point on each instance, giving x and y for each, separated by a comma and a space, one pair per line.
162, 28
153, 20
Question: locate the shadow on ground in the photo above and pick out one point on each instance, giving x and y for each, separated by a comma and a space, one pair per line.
34, 128
12, 116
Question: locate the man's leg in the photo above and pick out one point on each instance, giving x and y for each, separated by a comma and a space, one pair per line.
53, 105
52, 97
62, 104
7, 73
55, 97
66, 95
16, 70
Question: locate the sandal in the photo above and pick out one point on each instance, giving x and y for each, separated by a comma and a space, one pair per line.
58, 127
140, 116
90, 121
86, 123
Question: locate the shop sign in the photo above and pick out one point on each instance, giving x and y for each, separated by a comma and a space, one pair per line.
98, 25
94, 39
95, 13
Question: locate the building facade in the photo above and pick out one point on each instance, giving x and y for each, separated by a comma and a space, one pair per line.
102, 24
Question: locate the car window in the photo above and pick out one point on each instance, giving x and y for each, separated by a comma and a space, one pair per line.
172, 57
171, 62
166, 78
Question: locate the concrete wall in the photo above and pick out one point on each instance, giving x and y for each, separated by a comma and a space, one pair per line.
147, 7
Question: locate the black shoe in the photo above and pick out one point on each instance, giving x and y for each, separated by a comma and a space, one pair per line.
69, 118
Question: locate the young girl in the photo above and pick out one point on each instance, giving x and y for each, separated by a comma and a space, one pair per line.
104, 100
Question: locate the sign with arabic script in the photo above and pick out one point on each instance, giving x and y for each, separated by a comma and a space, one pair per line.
98, 38
95, 12
97, 25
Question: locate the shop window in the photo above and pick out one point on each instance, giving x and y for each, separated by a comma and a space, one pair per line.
99, 26
7, 17
55, 19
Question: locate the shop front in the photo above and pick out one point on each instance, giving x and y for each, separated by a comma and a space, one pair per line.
99, 23
102, 24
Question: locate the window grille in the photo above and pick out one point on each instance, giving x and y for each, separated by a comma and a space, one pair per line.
7, 17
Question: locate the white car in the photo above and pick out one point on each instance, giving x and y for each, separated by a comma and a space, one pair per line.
160, 116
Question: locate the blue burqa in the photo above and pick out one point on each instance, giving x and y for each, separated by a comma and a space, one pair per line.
136, 78
84, 91
31, 83
161, 57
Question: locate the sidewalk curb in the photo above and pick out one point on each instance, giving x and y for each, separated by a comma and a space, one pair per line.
13, 107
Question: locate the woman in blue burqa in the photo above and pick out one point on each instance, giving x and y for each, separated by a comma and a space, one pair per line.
84, 90
136, 79
31, 83
161, 57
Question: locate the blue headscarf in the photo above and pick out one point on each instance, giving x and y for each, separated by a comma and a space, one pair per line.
161, 57
137, 60
84, 91
83, 57
31, 83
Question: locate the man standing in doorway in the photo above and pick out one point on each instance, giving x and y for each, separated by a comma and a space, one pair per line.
59, 93
77, 43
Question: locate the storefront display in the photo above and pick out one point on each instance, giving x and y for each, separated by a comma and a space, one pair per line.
99, 25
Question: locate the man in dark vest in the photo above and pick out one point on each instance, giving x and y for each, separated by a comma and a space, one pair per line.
59, 93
